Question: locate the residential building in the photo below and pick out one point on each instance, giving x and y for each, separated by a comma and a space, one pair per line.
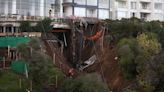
14, 11
144, 9
25, 7
86, 8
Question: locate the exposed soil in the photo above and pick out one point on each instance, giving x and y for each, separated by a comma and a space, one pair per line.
112, 71
107, 66
109, 69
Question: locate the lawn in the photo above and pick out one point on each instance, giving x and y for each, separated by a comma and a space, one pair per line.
9, 82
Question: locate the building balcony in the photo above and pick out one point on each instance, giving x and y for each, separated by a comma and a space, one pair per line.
19, 18
121, 0
68, 4
145, 11
145, 1
145, 16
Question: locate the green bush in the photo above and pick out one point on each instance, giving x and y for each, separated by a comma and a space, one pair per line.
85, 83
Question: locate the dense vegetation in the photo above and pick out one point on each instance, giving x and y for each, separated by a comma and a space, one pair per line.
41, 26
9, 82
85, 83
41, 70
140, 48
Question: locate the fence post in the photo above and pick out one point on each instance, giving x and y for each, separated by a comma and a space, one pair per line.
4, 63
56, 81
54, 56
20, 82
31, 85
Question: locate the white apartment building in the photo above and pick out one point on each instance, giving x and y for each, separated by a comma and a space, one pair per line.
144, 9
14, 11
25, 7
102, 9
86, 8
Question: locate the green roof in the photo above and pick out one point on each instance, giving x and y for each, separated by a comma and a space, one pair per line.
13, 41
18, 66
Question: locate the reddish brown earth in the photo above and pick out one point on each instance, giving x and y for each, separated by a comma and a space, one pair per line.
60, 60
109, 69
112, 71
107, 66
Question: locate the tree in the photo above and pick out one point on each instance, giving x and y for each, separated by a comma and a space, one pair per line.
125, 28
44, 25
25, 26
85, 83
153, 77
149, 44
127, 62
35, 44
24, 50
149, 47
127, 49
41, 69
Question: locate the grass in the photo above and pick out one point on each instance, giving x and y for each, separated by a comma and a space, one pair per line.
9, 82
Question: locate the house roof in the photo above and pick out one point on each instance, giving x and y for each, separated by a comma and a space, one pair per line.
13, 41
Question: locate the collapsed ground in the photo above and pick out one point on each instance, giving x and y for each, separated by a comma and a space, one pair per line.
106, 65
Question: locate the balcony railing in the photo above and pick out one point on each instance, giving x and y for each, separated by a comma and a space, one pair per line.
20, 18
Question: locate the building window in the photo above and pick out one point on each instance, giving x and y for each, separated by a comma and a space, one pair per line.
158, 6
122, 4
104, 4
144, 16
91, 13
133, 5
145, 5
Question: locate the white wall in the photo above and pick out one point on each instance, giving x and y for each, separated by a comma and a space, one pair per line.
158, 16
41, 7
6, 7
92, 2
14, 7
68, 11
80, 2
103, 14
121, 14
80, 12
32, 9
